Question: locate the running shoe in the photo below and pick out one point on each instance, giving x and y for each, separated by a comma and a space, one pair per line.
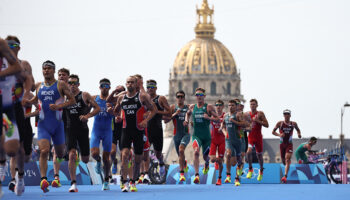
59, 160
182, 177
133, 187
196, 180
239, 171
218, 182
19, 187
44, 185
114, 169
260, 176
228, 179
162, 170
73, 188
237, 183
105, 185
250, 173
3, 171
140, 181
98, 168
124, 187
12, 185
56, 183
205, 170
284, 179
216, 166
186, 167
121, 185
146, 179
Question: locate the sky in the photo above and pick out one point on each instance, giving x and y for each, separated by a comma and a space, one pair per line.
290, 53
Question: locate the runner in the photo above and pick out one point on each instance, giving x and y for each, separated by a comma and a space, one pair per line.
286, 128
63, 75
230, 127
154, 127
181, 133
243, 130
24, 85
203, 113
77, 128
102, 131
257, 120
217, 140
302, 148
132, 106
9, 138
50, 94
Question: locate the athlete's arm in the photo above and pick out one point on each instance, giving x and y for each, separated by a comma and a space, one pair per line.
213, 115
64, 90
113, 97
278, 125
223, 127
241, 120
89, 101
34, 99
188, 115
164, 103
28, 80
150, 107
297, 128
117, 107
167, 119
261, 119
14, 66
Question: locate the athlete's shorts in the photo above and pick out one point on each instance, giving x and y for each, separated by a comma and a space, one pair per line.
216, 146
234, 146
204, 143
117, 134
255, 141
78, 136
134, 136
9, 120
105, 135
184, 140
24, 128
285, 148
51, 130
155, 137
301, 157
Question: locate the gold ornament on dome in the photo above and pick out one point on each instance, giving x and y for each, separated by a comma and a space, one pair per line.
204, 55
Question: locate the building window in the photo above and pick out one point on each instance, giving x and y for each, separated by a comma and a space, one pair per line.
228, 88
180, 85
195, 86
213, 88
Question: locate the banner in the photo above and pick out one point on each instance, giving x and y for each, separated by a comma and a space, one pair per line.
173, 175
32, 174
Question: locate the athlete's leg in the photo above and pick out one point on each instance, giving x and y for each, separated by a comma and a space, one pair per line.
56, 163
106, 164
20, 161
182, 149
13, 167
205, 151
259, 152
196, 147
113, 156
288, 161
71, 164
44, 147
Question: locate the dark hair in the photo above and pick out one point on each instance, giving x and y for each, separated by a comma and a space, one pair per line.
64, 70
152, 81
220, 101
233, 101
200, 89
138, 76
180, 92
313, 139
254, 100
74, 76
12, 37
105, 80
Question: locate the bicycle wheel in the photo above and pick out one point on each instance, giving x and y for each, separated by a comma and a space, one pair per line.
154, 175
335, 172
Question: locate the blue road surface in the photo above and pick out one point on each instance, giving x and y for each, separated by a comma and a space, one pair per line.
198, 192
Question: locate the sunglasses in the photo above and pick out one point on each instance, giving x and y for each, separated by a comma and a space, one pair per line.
73, 82
151, 87
107, 86
12, 46
200, 94
218, 104
180, 96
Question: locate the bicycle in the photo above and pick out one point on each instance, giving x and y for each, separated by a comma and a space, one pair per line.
154, 169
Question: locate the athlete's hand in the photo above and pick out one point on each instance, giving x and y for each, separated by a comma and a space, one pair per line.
282, 135
185, 123
299, 135
206, 116
178, 111
143, 124
54, 107
83, 118
118, 119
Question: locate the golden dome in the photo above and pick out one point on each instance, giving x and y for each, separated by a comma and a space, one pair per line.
204, 55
